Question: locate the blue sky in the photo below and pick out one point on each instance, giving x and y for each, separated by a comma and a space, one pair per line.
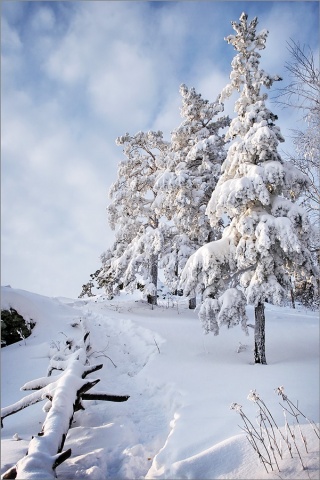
76, 75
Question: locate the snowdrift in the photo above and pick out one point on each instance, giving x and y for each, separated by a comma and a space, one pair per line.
177, 423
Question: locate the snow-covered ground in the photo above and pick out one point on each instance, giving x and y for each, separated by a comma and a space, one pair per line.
177, 423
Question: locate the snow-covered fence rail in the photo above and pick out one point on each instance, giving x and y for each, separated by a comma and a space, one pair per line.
64, 394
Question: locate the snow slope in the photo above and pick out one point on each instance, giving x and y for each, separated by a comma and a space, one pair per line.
177, 423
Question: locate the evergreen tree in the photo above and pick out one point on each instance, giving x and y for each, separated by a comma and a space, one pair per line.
268, 236
135, 252
193, 165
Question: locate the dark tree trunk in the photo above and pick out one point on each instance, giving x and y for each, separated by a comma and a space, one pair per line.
152, 299
210, 236
176, 272
292, 298
292, 295
192, 303
178, 291
259, 335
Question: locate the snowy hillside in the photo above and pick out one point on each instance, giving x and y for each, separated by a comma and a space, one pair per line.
177, 423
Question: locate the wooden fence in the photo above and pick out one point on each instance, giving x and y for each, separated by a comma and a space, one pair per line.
64, 394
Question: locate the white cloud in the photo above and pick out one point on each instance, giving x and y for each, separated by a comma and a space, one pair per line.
43, 19
53, 197
211, 85
125, 88
9, 36
285, 21
75, 76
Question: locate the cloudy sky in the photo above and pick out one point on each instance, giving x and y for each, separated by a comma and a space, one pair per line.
76, 75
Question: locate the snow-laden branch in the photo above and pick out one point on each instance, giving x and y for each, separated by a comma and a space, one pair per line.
31, 399
206, 267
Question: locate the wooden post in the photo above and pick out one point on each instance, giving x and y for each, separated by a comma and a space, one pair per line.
42, 458
65, 392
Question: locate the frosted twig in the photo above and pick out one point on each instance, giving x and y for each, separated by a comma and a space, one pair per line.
296, 412
254, 434
255, 447
271, 421
102, 354
293, 438
270, 437
156, 344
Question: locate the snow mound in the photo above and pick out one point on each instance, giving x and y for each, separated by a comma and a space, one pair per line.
234, 459
177, 422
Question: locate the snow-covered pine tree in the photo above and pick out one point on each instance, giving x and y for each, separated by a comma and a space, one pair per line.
108, 280
269, 232
93, 283
176, 249
210, 271
193, 166
136, 249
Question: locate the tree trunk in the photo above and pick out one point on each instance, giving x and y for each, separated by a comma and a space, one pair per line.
192, 303
176, 272
152, 299
292, 298
259, 335
292, 294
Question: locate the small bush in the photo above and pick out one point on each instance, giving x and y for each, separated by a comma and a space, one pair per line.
14, 327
